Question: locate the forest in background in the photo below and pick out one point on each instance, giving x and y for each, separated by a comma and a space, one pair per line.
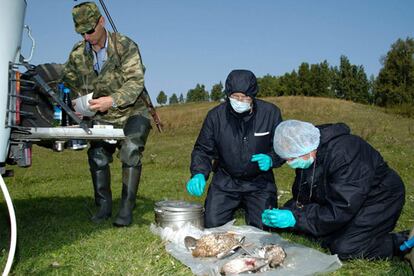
392, 88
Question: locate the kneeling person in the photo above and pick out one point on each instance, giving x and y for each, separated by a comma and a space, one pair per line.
237, 134
344, 192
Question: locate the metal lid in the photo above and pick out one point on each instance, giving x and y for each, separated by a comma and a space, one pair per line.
178, 206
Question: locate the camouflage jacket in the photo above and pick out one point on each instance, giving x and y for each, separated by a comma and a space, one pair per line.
121, 77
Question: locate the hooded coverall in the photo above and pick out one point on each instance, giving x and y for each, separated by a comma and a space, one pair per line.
231, 139
349, 198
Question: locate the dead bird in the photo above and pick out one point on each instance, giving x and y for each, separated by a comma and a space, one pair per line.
274, 254
261, 260
217, 245
243, 264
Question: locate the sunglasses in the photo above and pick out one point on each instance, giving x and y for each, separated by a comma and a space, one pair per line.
91, 31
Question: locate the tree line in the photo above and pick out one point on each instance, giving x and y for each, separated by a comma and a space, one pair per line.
393, 86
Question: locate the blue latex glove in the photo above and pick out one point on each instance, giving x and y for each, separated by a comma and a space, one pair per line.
278, 218
195, 186
264, 161
407, 244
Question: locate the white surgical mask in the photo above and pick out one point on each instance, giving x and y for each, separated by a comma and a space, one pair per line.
239, 106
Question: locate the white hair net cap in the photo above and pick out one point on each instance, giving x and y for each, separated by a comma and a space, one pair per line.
295, 138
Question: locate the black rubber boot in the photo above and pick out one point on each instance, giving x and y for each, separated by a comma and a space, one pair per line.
103, 196
130, 182
398, 239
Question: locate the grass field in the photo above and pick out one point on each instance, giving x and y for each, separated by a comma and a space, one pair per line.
53, 198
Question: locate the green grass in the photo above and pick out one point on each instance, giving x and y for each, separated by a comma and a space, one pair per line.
53, 198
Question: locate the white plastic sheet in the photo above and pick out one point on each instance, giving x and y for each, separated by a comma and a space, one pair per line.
300, 260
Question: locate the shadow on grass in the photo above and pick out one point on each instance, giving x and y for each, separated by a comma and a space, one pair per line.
50, 223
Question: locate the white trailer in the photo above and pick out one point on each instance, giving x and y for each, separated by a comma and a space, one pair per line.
15, 138
12, 15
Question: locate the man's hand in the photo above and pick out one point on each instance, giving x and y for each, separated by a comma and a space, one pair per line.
101, 104
195, 186
264, 161
278, 218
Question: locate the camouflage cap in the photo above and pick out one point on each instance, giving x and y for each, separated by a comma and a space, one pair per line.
85, 16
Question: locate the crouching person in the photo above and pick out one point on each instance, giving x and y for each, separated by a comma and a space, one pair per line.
344, 193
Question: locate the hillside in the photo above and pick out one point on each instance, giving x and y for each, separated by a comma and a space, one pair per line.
54, 196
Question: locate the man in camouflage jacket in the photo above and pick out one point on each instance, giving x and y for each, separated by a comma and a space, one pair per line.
109, 65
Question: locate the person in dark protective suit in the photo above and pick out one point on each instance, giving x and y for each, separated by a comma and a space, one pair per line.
237, 135
344, 193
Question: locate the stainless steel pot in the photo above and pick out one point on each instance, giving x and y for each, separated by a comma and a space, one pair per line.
175, 213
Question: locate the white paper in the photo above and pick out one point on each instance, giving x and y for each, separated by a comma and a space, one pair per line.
82, 105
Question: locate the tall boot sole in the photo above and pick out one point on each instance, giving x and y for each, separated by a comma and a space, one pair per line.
118, 222
100, 219
122, 221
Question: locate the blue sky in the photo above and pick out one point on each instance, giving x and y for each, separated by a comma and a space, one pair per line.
185, 42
